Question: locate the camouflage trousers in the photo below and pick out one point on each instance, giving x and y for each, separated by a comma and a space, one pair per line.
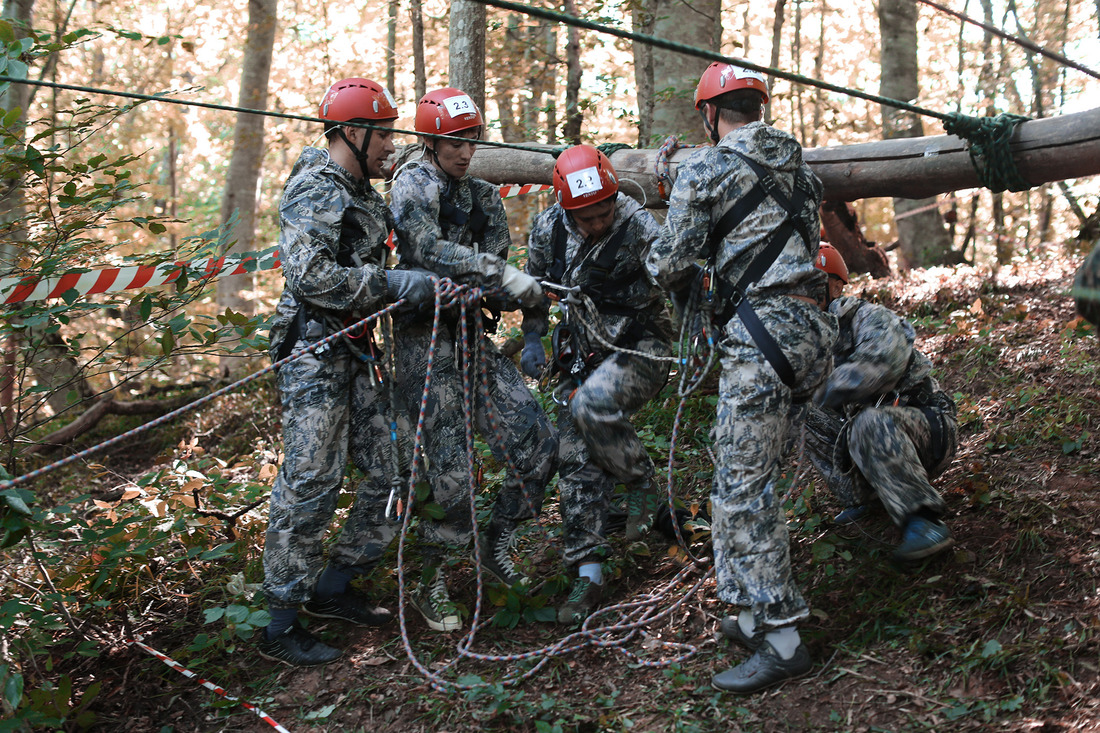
1086, 287
599, 446
330, 412
511, 421
885, 451
749, 529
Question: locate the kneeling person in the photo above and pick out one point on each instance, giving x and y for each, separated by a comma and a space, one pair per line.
881, 424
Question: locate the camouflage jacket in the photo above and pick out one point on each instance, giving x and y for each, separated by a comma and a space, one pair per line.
640, 296
874, 354
333, 230
710, 183
449, 250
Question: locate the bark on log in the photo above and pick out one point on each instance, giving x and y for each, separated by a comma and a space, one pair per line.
1046, 150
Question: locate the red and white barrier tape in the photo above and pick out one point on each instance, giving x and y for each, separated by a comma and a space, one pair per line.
511, 190
114, 279
136, 641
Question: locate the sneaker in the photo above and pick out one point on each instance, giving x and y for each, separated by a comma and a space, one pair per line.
851, 515
349, 606
764, 669
731, 629
435, 605
583, 598
642, 501
923, 538
296, 647
496, 555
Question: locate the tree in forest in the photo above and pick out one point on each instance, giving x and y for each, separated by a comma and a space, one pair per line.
666, 80
238, 209
922, 234
466, 63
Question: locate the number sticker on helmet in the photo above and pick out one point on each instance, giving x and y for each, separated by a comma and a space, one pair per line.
459, 105
584, 181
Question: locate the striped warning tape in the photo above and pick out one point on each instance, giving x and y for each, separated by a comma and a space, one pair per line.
511, 190
136, 641
114, 279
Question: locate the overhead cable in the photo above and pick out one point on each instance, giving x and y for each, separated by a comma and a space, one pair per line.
1022, 42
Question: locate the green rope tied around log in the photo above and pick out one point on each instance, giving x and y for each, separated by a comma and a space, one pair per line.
609, 148
987, 141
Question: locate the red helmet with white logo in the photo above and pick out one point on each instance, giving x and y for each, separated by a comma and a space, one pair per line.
447, 111
720, 78
583, 176
357, 99
830, 261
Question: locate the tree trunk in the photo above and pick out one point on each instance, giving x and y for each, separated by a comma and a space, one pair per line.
819, 65
571, 130
391, 48
642, 22
19, 12
466, 65
777, 41
420, 77
842, 230
676, 75
242, 180
922, 236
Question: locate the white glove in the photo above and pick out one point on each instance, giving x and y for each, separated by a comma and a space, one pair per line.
521, 286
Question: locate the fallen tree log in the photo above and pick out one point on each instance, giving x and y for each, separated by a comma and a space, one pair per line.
91, 417
1045, 150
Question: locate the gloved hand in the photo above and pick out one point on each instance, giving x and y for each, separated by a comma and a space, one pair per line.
533, 358
413, 286
845, 385
521, 286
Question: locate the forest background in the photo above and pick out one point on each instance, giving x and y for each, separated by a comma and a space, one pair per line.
93, 180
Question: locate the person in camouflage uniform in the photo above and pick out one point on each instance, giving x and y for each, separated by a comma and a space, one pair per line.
880, 424
332, 244
1086, 287
595, 242
455, 226
749, 206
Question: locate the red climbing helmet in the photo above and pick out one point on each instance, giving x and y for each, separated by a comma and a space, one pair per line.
720, 78
357, 99
447, 111
583, 176
831, 262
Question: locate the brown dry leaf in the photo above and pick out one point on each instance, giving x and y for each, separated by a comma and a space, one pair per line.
190, 486
131, 494
374, 661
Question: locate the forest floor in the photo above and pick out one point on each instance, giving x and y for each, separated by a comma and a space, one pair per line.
1000, 633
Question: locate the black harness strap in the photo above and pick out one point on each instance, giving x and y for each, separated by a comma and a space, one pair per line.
733, 298
452, 216
599, 287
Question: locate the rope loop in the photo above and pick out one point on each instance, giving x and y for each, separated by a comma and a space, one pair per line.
987, 141
609, 149
661, 167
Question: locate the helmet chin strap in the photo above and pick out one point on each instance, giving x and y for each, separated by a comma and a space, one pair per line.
712, 130
360, 153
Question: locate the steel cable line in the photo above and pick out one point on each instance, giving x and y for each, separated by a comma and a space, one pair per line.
702, 53
265, 113
1022, 42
